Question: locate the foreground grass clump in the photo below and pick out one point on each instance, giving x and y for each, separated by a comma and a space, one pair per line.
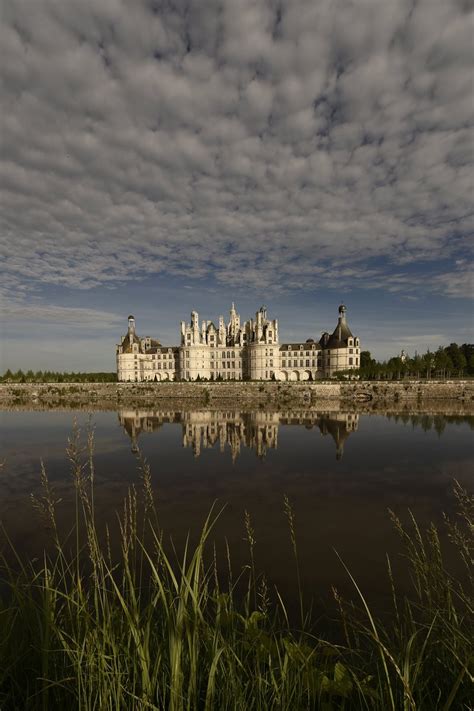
84, 629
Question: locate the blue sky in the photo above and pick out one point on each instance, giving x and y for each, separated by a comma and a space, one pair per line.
164, 156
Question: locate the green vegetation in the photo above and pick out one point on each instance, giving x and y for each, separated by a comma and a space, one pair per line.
452, 361
48, 376
146, 630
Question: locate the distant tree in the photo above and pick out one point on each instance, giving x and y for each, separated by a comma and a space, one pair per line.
468, 351
443, 362
457, 357
428, 363
366, 359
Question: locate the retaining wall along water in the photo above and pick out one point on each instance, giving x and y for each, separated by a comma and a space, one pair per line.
251, 394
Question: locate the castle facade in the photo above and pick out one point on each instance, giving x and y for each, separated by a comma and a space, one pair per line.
237, 351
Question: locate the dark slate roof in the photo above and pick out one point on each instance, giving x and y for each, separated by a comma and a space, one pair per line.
126, 343
296, 346
339, 338
165, 349
154, 346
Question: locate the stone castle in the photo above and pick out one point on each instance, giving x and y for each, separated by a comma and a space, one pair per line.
236, 351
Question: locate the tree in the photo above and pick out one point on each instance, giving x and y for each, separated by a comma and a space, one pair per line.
468, 351
366, 359
428, 363
442, 361
457, 357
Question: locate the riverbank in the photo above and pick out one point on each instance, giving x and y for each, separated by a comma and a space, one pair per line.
242, 394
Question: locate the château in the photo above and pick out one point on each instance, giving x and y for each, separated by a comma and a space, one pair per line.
237, 351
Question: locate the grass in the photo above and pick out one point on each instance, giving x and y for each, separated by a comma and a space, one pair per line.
148, 629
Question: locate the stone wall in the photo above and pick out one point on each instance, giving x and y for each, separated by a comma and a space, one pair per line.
252, 394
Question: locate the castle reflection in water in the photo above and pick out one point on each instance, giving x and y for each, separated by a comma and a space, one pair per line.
235, 429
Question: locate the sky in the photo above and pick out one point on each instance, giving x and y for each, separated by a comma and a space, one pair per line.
160, 156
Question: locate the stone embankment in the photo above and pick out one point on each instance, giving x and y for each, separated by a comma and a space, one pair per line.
248, 394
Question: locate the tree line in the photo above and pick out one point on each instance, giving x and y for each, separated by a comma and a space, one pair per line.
451, 361
48, 376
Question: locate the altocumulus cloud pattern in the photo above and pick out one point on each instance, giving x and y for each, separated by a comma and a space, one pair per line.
236, 139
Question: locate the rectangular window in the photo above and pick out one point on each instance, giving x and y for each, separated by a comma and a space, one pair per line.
301, 363
350, 361
307, 363
351, 350
295, 363
283, 363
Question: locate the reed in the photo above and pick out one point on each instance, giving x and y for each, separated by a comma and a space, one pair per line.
148, 629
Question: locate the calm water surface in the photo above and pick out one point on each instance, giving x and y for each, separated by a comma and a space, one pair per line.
340, 470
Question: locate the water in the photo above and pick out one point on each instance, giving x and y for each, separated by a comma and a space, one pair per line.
341, 471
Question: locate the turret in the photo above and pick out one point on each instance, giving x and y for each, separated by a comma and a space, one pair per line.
131, 328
